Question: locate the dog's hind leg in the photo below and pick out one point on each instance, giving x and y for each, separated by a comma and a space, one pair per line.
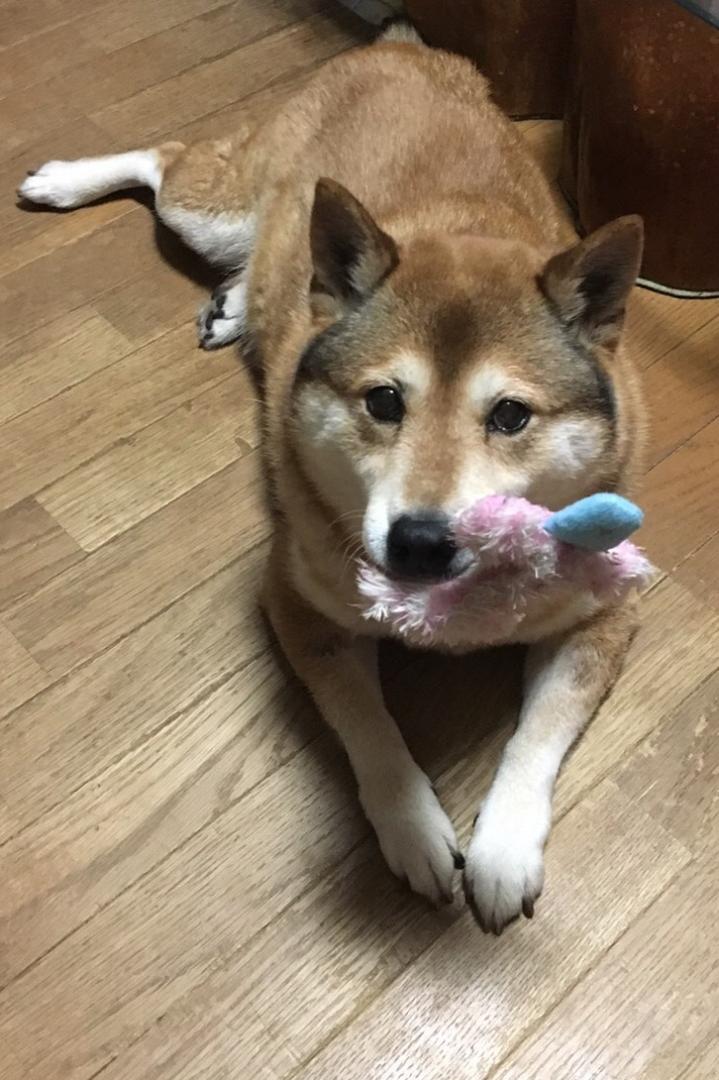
202, 192
189, 186
67, 184
208, 197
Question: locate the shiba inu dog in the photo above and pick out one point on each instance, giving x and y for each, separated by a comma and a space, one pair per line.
430, 331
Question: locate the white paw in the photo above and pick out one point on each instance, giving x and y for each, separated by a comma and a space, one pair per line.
54, 184
222, 320
504, 870
416, 836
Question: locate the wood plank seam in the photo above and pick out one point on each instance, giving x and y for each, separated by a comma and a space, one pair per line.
324, 737
131, 350
681, 344
152, 732
136, 1039
134, 207
370, 1000
706, 1043
82, 862
149, 38
75, 553
570, 987
244, 447
263, 36
122, 439
139, 626
147, 736
387, 988
664, 457
18, 263
82, 303
695, 551
630, 749
233, 803
289, 80
705, 543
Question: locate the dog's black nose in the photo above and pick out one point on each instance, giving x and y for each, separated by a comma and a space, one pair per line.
420, 546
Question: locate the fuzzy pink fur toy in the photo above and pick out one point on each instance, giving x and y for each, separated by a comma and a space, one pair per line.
519, 557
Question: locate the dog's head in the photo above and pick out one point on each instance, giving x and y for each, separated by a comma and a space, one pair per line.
454, 368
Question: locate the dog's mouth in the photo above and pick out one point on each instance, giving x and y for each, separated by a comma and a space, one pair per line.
464, 564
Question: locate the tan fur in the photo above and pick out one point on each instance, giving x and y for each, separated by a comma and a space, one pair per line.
475, 281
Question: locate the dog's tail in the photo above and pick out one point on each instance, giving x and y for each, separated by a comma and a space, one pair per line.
400, 29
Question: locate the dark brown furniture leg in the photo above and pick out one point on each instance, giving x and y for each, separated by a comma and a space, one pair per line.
642, 133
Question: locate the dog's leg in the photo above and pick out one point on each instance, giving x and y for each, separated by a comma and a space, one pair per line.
67, 184
222, 319
414, 833
193, 197
565, 682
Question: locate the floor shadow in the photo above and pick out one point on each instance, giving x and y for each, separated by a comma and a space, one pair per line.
447, 707
171, 249
450, 710
140, 195
175, 254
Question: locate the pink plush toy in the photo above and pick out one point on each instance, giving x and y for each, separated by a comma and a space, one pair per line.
522, 553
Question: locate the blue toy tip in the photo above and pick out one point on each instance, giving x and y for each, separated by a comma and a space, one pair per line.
596, 523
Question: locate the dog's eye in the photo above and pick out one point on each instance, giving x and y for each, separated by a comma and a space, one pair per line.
385, 404
509, 416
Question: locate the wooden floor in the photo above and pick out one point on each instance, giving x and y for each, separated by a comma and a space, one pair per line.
188, 887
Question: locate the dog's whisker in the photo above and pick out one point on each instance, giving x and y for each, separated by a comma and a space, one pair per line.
349, 515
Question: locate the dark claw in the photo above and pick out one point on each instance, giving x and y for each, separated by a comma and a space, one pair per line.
31, 172
458, 858
447, 896
209, 319
528, 907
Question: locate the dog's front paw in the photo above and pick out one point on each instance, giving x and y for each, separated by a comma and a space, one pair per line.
222, 320
504, 871
416, 836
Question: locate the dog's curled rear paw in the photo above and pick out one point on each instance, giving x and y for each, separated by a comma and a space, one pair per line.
222, 319
53, 184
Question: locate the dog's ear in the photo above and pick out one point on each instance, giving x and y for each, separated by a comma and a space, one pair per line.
589, 284
351, 255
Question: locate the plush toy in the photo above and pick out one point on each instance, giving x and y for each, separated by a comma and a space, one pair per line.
522, 553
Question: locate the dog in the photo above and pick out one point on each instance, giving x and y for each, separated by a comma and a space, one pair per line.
430, 330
